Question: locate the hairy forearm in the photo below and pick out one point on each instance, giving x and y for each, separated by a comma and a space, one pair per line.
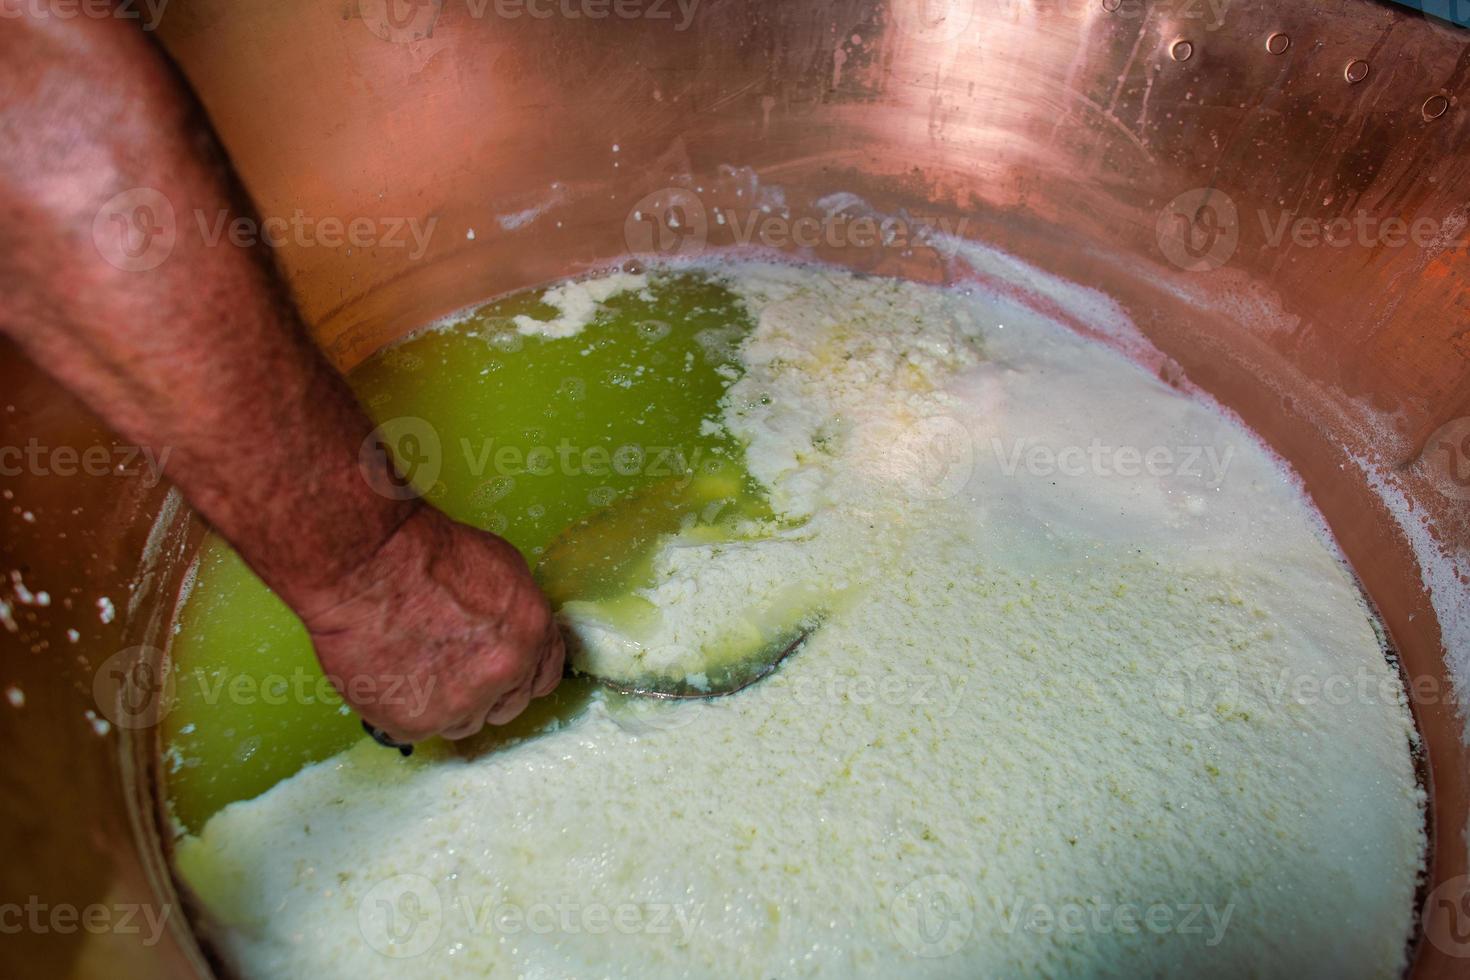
181, 343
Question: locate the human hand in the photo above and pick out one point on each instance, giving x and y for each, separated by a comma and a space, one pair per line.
440, 632
191, 346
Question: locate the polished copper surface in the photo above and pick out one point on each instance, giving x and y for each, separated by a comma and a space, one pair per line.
1108, 141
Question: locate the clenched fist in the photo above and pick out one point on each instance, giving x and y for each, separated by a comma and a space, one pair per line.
452, 610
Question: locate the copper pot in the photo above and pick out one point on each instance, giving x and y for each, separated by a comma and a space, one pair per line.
1176, 155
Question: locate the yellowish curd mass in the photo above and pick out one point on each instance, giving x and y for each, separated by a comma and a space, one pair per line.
1091, 695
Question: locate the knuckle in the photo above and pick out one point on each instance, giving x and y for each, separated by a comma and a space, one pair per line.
502, 673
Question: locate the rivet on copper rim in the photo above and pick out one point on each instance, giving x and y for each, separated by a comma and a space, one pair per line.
1356, 71
1278, 43
1181, 50
1435, 106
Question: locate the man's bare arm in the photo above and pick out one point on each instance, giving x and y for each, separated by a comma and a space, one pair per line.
196, 347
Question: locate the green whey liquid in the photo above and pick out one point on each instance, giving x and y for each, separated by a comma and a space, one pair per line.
581, 450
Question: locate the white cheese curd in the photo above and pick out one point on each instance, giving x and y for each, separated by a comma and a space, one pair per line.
1098, 700
576, 304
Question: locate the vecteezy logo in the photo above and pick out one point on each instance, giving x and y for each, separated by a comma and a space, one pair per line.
1199, 230
644, 716
935, 457
1197, 691
400, 21
667, 223
933, 20
1447, 916
934, 916
401, 458
1447, 455
133, 688
135, 231
401, 917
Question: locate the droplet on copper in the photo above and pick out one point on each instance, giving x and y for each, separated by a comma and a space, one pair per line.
1435, 106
